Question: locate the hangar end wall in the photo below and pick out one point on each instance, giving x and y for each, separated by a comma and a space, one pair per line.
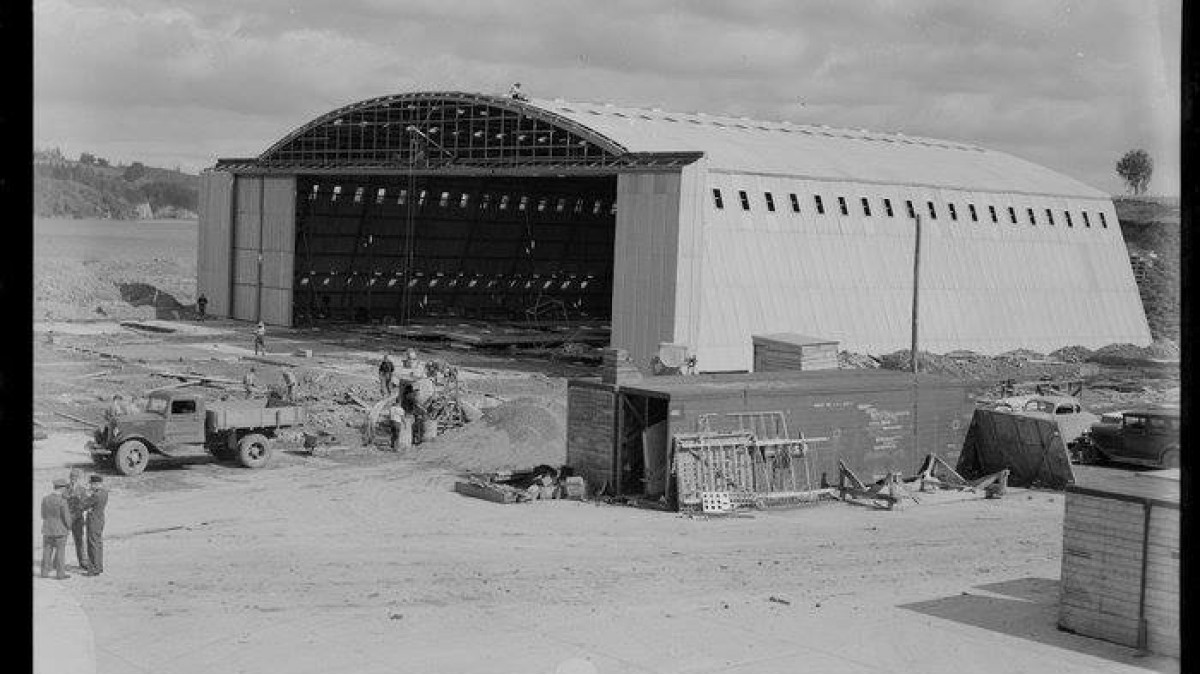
246, 246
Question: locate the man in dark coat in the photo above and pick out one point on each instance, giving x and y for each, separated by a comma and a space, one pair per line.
95, 504
56, 524
76, 493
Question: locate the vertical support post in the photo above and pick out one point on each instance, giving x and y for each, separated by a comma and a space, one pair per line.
262, 216
916, 294
1143, 641
230, 296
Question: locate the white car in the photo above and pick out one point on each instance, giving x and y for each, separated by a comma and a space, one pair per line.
1072, 419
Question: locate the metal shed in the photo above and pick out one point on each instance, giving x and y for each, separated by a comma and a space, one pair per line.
874, 421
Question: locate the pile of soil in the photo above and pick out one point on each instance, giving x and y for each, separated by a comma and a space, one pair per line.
1071, 354
514, 435
74, 290
1123, 353
855, 360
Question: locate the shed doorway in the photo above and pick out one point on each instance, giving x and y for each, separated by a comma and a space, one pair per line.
643, 446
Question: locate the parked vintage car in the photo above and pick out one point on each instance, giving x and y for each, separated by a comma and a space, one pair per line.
1145, 436
1073, 421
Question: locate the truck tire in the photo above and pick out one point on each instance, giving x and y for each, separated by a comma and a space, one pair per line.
254, 450
131, 458
1170, 459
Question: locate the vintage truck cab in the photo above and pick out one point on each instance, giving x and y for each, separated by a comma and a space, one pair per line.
1147, 436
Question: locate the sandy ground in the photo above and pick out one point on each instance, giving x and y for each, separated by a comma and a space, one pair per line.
364, 561
370, 563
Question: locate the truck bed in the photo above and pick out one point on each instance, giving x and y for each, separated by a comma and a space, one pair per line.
242, 416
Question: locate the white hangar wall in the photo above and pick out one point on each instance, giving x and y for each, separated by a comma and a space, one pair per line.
985, 286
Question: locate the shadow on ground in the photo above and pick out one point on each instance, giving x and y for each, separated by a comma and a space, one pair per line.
1031, 612
165, 305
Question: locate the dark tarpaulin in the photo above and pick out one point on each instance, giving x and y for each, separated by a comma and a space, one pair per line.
1030, 446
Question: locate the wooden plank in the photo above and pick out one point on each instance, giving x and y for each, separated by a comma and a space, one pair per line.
1118, 539
484, 492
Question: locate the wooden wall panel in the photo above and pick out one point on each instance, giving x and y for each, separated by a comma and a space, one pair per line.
1104, 543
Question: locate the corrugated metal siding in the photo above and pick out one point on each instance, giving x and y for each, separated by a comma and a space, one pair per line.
644, 268
214, 241
245, 302
248, 224
985, 286
279, 215
807, 151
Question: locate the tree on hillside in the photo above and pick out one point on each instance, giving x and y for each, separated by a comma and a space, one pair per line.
135, 171
87, 158
1135, 168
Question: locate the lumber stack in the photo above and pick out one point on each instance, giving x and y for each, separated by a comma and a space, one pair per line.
791, 351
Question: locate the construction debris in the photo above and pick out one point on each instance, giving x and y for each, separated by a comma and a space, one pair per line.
934, 475
509, 487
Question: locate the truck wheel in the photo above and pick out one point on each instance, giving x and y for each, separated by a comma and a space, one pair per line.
254, 450
1170, 459
131, 458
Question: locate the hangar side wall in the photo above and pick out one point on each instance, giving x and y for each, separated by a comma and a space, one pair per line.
645, 260
263, 253
214, 241
985, 286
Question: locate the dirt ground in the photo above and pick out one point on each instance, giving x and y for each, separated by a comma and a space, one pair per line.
356, 559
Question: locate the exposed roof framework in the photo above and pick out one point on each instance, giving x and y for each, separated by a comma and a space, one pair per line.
439, 130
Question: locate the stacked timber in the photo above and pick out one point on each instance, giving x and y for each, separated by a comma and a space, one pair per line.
792, 351
1120, 565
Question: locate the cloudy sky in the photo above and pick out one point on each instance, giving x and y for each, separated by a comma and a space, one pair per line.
1071, 85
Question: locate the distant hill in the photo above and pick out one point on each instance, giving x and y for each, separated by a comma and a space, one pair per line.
64, 188
1150, 226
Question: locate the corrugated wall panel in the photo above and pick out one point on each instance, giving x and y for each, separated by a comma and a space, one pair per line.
248, 223
279, 215
277, 306
245, 302
214, 240
985, 286
645, 263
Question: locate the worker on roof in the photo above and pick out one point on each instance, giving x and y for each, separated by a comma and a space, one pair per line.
514, 92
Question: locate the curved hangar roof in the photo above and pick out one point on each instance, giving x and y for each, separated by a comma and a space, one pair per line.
444, 130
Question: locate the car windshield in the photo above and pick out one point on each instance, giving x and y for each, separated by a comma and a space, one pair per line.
1040, 406
1066, 410
156, 405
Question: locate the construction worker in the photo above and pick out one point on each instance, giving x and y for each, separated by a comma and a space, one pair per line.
95, 503
260, 339
56, 523
201, 306
401, 436
386, 368
76, 495
116, 408
289, 381
248, 381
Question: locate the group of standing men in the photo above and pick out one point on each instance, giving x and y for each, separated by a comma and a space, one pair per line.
76, 509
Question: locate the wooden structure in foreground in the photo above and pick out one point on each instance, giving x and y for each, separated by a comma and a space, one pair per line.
1120, 564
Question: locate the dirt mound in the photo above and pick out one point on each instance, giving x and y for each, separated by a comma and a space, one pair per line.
856, 360
1071, 354
1125, 353
514, 435
73, 290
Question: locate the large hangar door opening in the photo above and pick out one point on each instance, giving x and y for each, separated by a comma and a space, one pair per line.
403, 248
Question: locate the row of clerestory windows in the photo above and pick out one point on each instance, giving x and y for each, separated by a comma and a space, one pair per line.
462, 200
911, 209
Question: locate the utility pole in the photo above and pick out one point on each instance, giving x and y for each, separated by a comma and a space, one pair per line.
916, 295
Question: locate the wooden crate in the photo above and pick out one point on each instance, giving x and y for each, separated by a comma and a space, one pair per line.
1120, 564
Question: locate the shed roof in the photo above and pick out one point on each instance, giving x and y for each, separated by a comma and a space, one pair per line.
817, 151
789, 381
1153, 487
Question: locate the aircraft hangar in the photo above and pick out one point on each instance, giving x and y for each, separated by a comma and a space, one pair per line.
683, 228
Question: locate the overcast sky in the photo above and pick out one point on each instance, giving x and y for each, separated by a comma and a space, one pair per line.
1071, 85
